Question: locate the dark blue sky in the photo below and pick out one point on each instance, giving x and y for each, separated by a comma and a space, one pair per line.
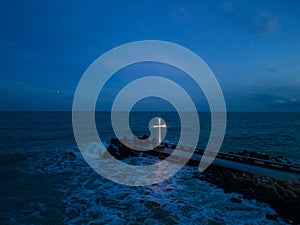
253, 47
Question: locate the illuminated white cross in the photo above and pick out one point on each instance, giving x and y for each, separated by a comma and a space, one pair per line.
159, 126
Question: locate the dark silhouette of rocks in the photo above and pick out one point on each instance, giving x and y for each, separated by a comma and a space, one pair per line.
282, 196
236, 200
271, 216
264, 156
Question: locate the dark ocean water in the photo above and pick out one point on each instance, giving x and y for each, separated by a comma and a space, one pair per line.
44, 179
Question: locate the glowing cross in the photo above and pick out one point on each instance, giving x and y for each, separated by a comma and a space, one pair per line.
159, 126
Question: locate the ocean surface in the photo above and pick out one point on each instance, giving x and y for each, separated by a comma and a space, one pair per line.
45, 180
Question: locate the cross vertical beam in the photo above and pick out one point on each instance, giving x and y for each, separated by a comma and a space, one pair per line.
159, 126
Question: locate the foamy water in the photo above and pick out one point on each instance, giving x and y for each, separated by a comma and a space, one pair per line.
62, 188
44, 179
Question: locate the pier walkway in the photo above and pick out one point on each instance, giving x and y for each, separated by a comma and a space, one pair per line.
256, 166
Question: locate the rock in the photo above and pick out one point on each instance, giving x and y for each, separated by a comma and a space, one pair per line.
152, 205
144, 137
246, 183
289, 194
270, 216
268, 189
72, 155
236, 200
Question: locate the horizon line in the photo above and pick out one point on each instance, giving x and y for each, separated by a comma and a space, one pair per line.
228, 111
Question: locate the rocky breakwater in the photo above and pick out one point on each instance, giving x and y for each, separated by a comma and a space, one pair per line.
120, 151
282, 196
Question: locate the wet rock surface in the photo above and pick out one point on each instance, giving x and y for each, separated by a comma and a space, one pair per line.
263, 156
282, 196
236, 200
120, 151
271, 216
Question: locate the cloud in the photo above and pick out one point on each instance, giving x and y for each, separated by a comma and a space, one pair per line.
180, 13
227, 7
247, 17
261, 97
293, 33
266, 23
280, 101
275, 95
277, 102
289, 105
270, 70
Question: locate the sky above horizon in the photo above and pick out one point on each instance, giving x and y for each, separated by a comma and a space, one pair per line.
253, 48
